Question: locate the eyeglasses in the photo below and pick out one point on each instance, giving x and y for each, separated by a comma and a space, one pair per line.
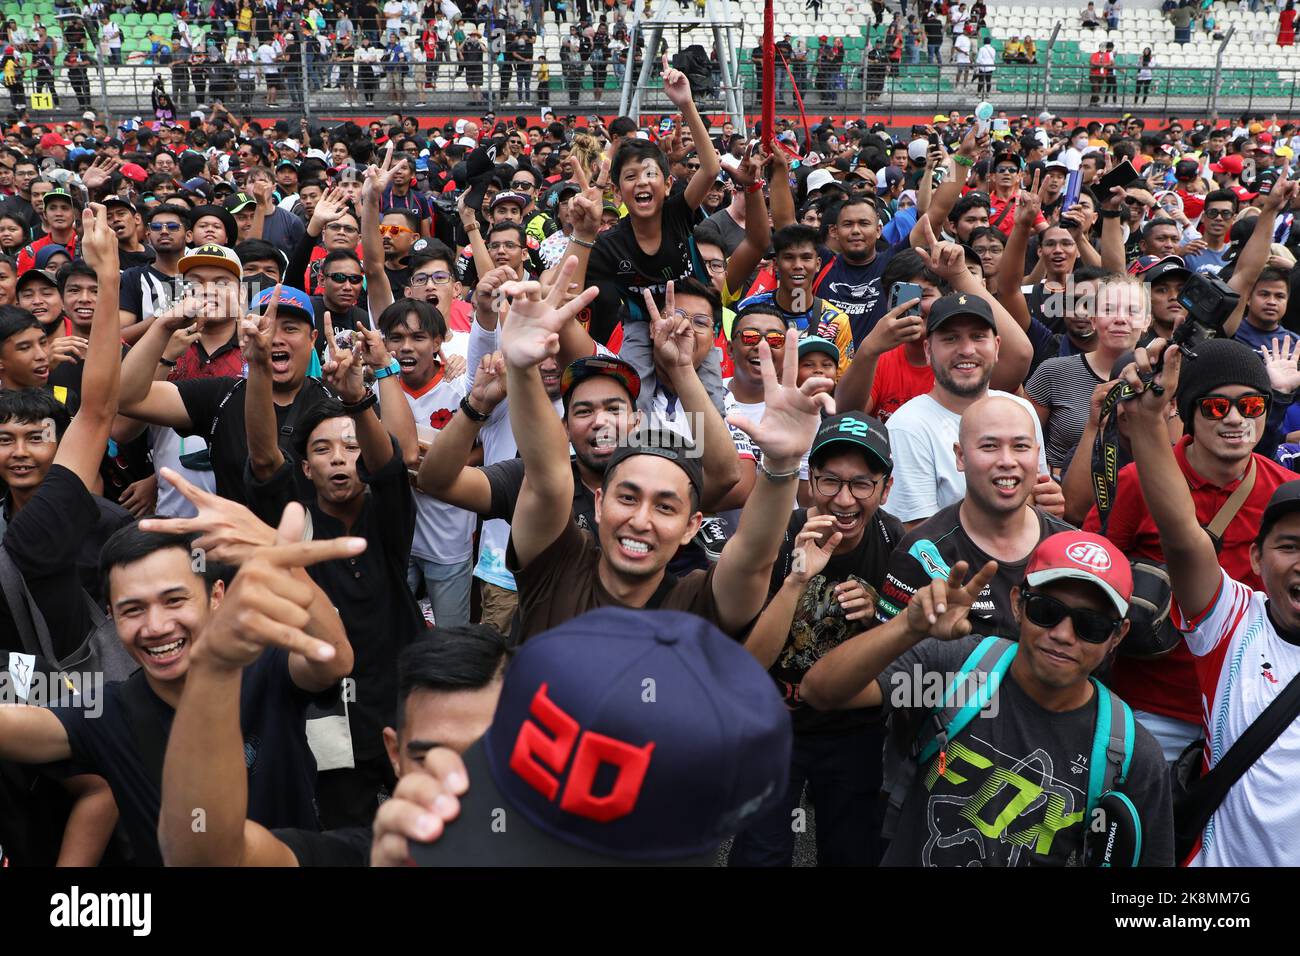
342, 227
692, 166
702, 321
775, 340
503, 246
1218, 214
347, 277
716, 266
828, 486
160, 226
394, 230
1091, 626
424, 278
523, 186
1136, 202
1217, 407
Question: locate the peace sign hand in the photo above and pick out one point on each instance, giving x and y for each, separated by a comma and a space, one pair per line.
941, 609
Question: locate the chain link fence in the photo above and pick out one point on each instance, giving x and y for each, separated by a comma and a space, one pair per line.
449, 87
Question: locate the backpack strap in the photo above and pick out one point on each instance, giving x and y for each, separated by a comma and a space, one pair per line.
991, 656
1112, 744
32, 629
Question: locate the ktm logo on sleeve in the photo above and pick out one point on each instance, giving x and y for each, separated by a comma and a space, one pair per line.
543, 750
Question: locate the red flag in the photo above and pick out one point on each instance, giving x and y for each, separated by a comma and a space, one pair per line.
769, 76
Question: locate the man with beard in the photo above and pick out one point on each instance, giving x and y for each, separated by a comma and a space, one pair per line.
824, 588
998, 453
962, 345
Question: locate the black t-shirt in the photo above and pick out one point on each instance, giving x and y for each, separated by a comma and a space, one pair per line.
145, 291
203, 400
345, 846
44, 540
369, 590
930, 550
132, 260
347, 321
112, 517
272, 717
506, 477
621, 271
1015, 788
816, 630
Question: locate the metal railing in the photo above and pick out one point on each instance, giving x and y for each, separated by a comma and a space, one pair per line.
449, 87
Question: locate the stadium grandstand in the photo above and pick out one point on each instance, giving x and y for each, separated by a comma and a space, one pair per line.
845, 57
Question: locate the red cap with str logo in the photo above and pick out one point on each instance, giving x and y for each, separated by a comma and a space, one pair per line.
1081, 556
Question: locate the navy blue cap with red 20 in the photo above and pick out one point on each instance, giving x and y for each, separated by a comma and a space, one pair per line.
622, 738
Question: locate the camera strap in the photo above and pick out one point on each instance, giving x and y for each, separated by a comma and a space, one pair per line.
1105, 452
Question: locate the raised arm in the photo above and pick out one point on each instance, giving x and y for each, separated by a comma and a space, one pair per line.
758, 229
261, 430
470, 223
673, 340
82, 448
790, 420
529, 336
394, 410
778, 187
1189, 552
445, 472
269, 604
678, 89
344, 373
853, 393
1254, 254
1011, 271
379, 291
1112, 232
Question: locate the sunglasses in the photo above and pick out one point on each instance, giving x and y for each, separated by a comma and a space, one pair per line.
1090, 626
160, 226
523, 186
775, 340
347, 277
1217, 407
1218, 214
394, 230
1001, 170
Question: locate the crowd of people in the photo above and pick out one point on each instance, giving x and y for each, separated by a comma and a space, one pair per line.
362, 482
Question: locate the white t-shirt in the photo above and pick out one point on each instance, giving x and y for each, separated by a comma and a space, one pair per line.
1241, 666
443, 533
921, 437
393, 13
266, 54
167, 448
961, 49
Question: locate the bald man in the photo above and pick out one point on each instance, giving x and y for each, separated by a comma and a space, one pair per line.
998, 454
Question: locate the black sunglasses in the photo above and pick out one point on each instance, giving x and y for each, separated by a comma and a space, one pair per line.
1091, 626
347, 277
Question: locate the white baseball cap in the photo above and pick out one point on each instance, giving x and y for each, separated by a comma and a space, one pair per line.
819, 179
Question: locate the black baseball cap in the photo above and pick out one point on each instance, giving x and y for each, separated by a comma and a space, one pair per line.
587, 773
1186, 170
855, 428
662, 443
1154, 268
120, 201
592, 366
1285, 500
955, 304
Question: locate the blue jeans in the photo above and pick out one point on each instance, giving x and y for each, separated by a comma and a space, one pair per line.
447, 587
844, 776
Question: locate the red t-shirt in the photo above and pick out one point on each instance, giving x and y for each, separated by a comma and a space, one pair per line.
1167, 685
1008, 222
897, 381
1193, 204
27, 256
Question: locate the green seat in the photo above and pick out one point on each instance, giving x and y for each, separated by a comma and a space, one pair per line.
149, 18
130, 19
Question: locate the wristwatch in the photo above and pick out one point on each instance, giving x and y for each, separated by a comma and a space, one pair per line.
471, 412
392, 368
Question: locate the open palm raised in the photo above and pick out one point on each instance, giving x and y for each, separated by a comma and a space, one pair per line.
791, 414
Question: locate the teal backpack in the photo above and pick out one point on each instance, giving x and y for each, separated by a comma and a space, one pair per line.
1119, 840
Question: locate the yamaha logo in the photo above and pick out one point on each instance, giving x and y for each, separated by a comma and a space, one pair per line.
1092, 556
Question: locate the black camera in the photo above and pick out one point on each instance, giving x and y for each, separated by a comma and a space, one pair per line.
1209, 302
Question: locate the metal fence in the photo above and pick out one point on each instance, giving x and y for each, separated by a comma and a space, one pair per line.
451, 87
